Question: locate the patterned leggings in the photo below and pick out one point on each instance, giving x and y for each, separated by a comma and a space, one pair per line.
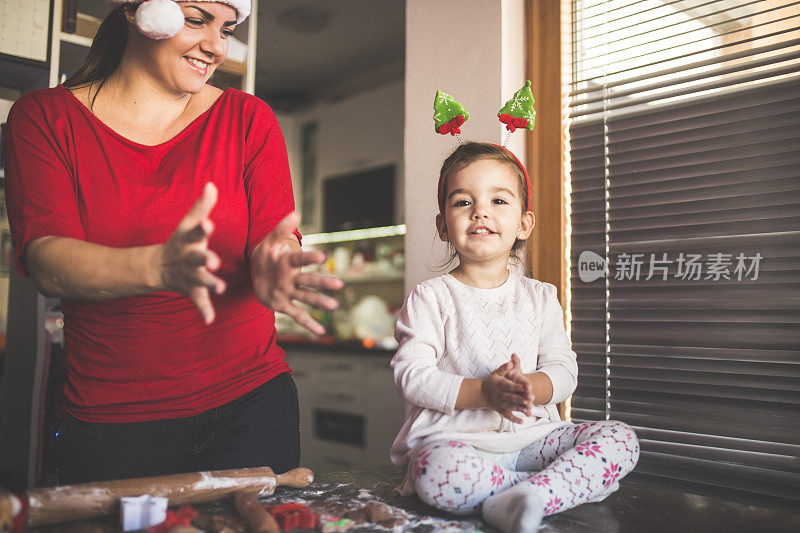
572, 465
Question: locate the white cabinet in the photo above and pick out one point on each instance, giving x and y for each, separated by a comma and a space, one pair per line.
349, 410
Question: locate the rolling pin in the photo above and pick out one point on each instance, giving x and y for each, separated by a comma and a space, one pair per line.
74, 502
257, 518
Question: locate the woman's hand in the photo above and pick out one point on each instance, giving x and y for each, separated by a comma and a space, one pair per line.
277, 280
507, 390
184, 263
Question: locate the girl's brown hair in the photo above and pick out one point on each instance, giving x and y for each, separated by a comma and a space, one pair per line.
470, 152
105, 54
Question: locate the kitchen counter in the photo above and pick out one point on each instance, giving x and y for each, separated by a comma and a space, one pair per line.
636, 507
330, 344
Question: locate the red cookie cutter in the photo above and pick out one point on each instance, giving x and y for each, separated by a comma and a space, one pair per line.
292, 515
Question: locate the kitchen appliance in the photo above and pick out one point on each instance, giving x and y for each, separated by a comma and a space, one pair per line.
361, 199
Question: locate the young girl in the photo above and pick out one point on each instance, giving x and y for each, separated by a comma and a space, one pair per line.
484, 359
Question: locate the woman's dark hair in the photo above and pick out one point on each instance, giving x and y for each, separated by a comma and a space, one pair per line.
105, 54
468, 153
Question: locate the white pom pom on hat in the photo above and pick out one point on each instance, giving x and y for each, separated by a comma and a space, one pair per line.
162, 19
159, 19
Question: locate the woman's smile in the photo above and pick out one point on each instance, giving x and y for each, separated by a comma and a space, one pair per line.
201, 67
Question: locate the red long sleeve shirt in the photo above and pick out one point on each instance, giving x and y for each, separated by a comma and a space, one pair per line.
151, 357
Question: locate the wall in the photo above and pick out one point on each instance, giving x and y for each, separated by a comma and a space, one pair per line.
360, 132
481, 65
291, 133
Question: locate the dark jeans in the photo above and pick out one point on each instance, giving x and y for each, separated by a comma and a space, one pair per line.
260, 428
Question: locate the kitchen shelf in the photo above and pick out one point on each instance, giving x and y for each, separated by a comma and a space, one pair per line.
354, 235
370, 262
233, 67
74, 38
329, 343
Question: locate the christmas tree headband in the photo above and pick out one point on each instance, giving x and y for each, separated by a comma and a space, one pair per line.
449, 115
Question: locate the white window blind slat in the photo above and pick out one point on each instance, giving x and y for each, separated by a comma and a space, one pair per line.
683, 44
684, 131
673, 27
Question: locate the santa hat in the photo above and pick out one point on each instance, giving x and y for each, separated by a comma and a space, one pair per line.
161, 19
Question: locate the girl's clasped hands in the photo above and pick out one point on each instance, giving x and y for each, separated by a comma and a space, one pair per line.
507, 390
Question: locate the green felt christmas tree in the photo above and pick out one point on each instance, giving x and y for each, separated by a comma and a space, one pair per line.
448, 115
518, 112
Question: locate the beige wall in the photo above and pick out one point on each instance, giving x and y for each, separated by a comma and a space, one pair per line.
764, 22
473, 50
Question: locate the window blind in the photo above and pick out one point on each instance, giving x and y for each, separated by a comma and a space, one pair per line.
684, 160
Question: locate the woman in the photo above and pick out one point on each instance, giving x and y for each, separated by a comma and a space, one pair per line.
140, 195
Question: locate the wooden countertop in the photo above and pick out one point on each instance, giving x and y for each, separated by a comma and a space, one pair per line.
634, 508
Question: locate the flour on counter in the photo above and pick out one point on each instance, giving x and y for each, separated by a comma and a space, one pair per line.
368, 510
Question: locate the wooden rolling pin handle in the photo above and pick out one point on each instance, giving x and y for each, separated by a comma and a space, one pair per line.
257, 518
297, 478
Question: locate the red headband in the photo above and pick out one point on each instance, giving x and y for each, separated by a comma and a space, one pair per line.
524, 171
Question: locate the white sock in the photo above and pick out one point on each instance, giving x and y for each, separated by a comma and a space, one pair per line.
605, 494
518, 509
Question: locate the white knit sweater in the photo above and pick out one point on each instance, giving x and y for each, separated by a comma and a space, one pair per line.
448, 331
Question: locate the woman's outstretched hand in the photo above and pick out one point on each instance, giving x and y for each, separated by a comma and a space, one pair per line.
278, 282
185, 262
507, 390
